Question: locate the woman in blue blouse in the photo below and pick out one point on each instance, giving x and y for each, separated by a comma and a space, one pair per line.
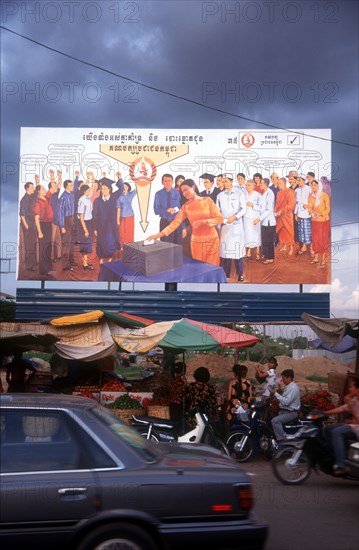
125, 215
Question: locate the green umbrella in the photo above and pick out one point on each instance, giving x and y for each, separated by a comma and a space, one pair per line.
182, 334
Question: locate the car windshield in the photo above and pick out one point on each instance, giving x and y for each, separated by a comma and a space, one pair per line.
148, 451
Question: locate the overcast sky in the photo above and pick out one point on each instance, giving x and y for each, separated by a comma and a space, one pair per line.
288, 64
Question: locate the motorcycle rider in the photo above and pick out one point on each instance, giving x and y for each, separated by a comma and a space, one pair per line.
338, 434
289, 404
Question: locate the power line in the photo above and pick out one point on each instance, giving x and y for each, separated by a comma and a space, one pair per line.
171, 94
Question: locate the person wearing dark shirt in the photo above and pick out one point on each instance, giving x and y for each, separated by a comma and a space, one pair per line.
167, 204
27, 223
16, 373
178, 180
240, 388
202, 394
210, 190
177, 391
66, 222
105, 225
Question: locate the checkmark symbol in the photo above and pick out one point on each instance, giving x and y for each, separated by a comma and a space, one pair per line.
293, 140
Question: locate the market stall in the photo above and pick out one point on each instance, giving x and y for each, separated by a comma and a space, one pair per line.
90, 354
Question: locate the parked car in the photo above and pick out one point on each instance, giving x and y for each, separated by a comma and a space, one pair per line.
75, 476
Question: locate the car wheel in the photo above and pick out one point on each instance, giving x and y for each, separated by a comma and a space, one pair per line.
117, 535
240, 446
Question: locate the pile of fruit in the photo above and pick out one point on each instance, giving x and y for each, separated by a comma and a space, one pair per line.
125, 402
87, 391
319, 399
114, 385
91, 388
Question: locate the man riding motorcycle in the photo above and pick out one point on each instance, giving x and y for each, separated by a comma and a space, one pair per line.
338, 434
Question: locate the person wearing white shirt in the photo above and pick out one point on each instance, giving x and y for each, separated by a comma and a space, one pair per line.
252, 232
289, 404
241, 180
232, 204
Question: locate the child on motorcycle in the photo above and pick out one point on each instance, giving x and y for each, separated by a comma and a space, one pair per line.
268, 377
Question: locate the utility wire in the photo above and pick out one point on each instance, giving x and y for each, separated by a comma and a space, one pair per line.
171, 94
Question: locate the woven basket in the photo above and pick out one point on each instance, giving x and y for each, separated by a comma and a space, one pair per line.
160, 411
126, 414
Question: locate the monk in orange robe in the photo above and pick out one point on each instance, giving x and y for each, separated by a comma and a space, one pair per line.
283, 210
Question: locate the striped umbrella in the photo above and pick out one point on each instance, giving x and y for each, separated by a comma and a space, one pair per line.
180, 335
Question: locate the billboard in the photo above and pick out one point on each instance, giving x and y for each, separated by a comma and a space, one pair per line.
175, 205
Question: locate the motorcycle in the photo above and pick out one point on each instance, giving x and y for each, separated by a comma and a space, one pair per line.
292, 464
167, 431
254, 433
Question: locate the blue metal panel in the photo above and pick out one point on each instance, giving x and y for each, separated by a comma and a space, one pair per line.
211, 307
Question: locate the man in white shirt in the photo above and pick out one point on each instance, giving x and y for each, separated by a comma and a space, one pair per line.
289, 404
302, 215
232, 204
241, 180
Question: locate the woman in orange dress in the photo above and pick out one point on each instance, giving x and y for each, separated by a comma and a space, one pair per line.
319, 209
284, 208
203, 215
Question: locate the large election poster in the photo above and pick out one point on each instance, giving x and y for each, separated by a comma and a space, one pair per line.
175, 205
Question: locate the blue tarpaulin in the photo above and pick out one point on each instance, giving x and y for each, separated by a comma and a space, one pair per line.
348, 343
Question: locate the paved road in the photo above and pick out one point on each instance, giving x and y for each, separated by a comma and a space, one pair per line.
321, 514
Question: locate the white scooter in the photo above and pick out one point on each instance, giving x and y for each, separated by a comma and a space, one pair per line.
166, 431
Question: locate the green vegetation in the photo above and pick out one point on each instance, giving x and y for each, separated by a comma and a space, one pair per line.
7, 308
317, 378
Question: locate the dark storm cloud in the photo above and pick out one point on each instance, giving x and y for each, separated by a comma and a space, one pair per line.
287, 65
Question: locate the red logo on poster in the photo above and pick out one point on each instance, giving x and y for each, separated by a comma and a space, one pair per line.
247, 140
142, 171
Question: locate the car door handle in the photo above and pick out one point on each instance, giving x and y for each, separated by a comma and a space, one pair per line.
72, 491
